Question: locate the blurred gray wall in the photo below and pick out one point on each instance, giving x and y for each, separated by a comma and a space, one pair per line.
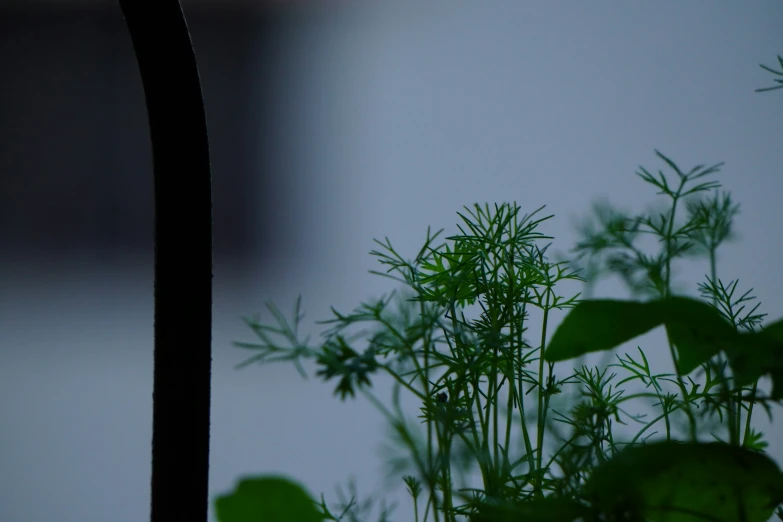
330, 126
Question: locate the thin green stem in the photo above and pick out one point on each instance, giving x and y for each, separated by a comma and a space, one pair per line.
667, 291
427, 392
510, 307
750, 412
541, 413
521, 397
493, 404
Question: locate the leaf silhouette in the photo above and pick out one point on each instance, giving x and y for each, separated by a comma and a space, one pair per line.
696, 329
267, 499
687, 482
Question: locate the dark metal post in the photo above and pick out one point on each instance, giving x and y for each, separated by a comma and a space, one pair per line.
183, 259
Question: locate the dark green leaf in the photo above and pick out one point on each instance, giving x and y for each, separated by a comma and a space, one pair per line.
687, 482
759, 353
775, 330
598, 325
696, 329
267, 499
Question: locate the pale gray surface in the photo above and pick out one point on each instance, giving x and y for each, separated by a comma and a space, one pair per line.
401, 116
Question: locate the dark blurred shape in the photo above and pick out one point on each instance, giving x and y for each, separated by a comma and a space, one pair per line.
75, 157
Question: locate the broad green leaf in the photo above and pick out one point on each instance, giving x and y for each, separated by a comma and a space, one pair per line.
775, 330
759, 353
597, 325
696, 329
267, 499
687, 482
775, 362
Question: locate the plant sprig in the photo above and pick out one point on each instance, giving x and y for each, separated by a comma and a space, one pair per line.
458, 342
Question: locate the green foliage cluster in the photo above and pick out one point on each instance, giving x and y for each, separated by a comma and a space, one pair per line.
491, 402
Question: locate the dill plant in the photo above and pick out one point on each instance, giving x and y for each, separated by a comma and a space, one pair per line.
779, 81
491, 401
472, 377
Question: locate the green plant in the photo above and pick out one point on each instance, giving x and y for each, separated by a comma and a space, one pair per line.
268, 499
777, 73
491, 400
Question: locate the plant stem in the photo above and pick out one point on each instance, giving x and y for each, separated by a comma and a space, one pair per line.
521, 397
750, 412
510, 306
541, 413
667, 293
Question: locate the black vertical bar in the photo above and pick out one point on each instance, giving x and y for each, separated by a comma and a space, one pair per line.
183, 259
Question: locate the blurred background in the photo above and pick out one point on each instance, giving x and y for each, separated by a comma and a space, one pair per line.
331, 123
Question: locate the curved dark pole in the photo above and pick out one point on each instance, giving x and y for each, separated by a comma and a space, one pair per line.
183, 259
